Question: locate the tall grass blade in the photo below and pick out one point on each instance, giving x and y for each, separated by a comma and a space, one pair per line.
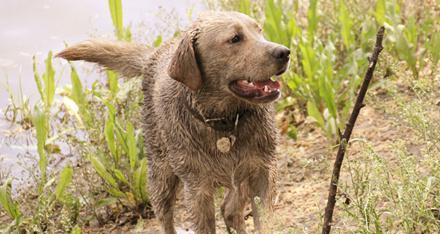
313, 111
140, 180
120, 176
102, 172
9, 206
76, 230
49, 81
244, 6
116, 14
63, 182
433, 47
121, 137
379, 12
110, 136
132, 148
158, 41
40, 121
37, 79
326, 90
79, 97
346, 24
112, 80
312, 19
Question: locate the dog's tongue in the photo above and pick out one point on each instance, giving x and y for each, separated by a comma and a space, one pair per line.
270, 83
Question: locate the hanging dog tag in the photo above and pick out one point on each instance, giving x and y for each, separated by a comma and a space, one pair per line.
224, 144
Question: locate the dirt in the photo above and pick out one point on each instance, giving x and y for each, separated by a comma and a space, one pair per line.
304, 171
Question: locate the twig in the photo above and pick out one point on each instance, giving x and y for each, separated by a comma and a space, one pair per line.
347, 133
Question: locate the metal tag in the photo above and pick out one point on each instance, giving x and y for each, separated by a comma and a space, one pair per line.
224, 144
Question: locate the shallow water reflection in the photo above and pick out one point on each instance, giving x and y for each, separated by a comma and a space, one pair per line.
29, 28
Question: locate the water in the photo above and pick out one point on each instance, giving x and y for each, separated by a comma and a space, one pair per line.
29, 28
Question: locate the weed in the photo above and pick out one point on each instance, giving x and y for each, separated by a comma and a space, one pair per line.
330, 51
399, 192
330, 43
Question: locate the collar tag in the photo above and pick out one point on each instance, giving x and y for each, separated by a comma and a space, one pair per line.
225, 144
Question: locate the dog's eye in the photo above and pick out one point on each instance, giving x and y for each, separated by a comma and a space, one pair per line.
235, 39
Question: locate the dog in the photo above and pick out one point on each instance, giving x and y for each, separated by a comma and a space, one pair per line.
208, 115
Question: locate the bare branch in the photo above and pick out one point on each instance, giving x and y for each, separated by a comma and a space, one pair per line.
347, 133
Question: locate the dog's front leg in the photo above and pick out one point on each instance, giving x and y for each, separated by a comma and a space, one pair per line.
200, 201
262, 186
232, 209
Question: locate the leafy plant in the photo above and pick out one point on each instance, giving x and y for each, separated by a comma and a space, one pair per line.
47, 196
329, 56
120, 163
121, 32
8, 204
46, 82
40, 121
411, 38
390, 198
329, 42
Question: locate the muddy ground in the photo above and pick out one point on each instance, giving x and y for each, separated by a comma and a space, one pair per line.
304, 170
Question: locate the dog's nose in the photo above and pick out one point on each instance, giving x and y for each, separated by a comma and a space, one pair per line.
281, 53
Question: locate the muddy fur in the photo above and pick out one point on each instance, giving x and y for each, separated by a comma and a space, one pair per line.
193, 72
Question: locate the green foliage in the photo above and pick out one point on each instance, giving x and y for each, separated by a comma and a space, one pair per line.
78, 96
8, 204
397, 191
117, 155
117, 19
64, 180
18, 111
112, 80
280, 25
330, 42
76, 230
48, 198
410, 38
312, 19
140, 181
313, 112
433, 45
346, 24
46, 83
132, 146
245, 6
158, 41
40, 121
393, 197
379, 12
329, 52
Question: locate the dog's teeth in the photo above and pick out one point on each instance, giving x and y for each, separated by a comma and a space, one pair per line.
266, 89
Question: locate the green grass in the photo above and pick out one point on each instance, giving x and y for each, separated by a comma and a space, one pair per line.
330, 42
109, 146
330, 50
399, 192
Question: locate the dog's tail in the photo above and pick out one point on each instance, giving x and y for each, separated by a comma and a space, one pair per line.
126, 58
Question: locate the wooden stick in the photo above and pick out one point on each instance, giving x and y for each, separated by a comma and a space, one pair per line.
347, 133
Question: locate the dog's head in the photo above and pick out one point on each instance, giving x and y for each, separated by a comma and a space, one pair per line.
226, 52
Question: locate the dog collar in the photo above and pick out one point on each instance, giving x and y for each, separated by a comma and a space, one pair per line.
222, 124
226, 124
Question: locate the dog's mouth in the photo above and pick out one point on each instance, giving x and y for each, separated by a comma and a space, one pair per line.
256, 91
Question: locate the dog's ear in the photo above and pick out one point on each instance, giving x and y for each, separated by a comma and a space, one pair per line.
183, 65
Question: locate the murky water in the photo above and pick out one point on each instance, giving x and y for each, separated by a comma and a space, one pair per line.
29, 28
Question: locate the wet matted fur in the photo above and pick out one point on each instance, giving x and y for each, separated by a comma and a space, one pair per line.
218, 69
